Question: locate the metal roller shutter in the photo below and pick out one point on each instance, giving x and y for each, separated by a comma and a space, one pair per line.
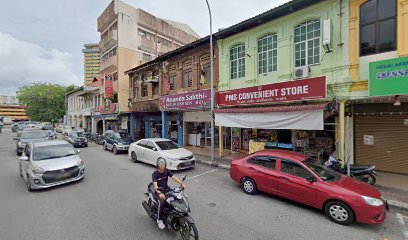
389, 151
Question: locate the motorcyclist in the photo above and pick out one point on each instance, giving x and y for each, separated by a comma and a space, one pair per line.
160, 178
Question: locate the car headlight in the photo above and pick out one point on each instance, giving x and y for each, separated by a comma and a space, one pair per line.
173, 158
80, 163
372, 201
38, 170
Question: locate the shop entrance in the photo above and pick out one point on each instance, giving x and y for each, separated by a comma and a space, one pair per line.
99, 127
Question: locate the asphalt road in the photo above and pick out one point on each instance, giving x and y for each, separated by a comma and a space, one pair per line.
107, 205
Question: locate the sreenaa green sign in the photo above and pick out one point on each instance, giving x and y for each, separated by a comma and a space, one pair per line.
389, 77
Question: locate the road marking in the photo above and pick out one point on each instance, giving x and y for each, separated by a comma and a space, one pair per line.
202, 174
400, 219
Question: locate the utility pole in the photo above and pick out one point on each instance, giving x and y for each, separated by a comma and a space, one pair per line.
212, 87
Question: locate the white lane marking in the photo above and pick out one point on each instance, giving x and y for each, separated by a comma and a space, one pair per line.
400, 219
202, 174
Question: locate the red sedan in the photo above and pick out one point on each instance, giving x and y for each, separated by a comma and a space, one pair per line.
299, 178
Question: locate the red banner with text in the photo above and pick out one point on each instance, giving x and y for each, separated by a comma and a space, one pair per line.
297, 90
108, 85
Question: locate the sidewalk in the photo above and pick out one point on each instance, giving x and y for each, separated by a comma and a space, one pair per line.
394, 187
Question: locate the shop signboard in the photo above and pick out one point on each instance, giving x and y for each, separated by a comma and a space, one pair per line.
389, 77
196, 100
108, 86
297, 90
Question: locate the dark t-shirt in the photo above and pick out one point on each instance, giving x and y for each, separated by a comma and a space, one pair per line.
161, 178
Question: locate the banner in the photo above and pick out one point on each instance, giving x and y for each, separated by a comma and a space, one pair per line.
108, 85
389, 77
198, 100
297, 90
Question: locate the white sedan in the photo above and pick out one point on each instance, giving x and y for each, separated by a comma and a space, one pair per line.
151, 149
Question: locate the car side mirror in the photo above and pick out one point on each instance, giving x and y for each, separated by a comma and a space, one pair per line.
78, 150
311, 179
23, 158
154, 149
16, 138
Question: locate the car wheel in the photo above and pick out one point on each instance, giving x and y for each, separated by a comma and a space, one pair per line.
249, 186
133, 157
339, 212
114, 150
105, 147
28, 184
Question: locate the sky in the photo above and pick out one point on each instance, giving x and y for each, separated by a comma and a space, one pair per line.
41, 40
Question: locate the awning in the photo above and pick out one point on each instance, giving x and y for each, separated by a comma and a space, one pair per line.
302, 117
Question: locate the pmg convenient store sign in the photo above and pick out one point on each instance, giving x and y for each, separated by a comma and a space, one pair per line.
389, 77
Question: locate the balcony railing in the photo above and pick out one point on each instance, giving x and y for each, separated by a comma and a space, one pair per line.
112, 61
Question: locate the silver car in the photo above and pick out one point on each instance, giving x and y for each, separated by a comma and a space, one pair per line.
50, 163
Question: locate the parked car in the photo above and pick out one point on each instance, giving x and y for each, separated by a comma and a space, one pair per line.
151, 149
47, 126
300, 178
76, 138
28, 135
21, 126
116, 141
50, 163
14, 127
67, 128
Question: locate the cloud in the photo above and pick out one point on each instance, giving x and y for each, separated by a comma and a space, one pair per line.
22, 63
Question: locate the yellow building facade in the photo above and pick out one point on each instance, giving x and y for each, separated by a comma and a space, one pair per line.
360, 83
92, 59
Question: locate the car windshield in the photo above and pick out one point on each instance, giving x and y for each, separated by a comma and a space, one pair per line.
52, 151
33, 135
326, 174
167, 145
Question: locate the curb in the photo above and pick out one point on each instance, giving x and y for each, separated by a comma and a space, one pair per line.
398, 204
393, 203
213, 164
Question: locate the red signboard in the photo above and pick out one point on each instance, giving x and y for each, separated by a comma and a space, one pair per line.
199, 100
108, 85
297, 90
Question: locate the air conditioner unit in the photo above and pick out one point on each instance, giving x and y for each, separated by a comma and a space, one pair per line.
301, 72
327, 35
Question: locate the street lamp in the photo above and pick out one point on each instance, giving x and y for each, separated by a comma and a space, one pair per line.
212, 87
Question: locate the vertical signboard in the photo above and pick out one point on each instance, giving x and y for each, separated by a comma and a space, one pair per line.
108, 85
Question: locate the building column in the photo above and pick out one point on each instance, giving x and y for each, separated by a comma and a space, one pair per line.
342, 135
132, 125
164, 125
93, 125
221, 140
147, 127
180, 132
103, 126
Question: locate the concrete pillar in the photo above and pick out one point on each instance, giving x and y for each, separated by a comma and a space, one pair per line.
132, 125
93, 125
341, 133
103, 126
164, 125
221, 140
180, 132
147, 127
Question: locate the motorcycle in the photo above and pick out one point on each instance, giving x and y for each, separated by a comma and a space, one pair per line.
176, 212
363, 173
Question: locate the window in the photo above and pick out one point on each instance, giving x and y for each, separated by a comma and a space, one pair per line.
377, 26
237, 61
144, 89
205, 74
264, 161
267, 54
294, 169
187, 78
150, 145
172, 82
307, 43
115, 76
